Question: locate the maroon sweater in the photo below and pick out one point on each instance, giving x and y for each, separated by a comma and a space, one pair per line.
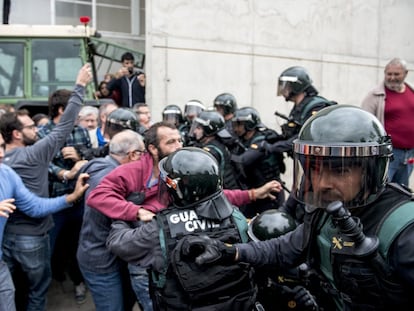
109, 196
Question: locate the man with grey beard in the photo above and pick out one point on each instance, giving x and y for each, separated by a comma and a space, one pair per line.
392, 102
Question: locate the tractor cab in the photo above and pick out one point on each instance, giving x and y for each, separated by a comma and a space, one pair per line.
36, 60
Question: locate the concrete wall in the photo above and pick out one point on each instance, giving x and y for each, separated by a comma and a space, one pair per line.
197, 49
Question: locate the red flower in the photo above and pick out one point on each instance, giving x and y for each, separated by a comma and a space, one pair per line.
85, 19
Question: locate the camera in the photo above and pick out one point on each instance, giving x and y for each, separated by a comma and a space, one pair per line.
131, 70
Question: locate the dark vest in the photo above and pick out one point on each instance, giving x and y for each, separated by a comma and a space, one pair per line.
359, 283
185, 286
223, 156
303, 111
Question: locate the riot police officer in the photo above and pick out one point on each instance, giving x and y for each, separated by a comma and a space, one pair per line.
122, 119
208, 130
295, 85
173, 114
226, 105
191, 110
358, 233
257, 167
191, 182
118, 120
286, 287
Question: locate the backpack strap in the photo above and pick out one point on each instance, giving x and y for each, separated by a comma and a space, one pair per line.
399, 219
159, 279
241, 224
316, 100
217, 149
258, 138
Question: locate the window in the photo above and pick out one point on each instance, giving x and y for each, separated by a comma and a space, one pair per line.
11, 69
55, 64
123, 16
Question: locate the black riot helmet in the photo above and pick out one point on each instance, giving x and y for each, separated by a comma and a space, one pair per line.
270, 224
227, 102
210, 121
172, 114
293, 81
192, 109
191, 175
248, 116
332, 145
121, 119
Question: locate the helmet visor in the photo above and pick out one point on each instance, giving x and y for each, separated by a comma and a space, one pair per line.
166, 186
196, 130
171, 118
192, 110
284, 87
319, 180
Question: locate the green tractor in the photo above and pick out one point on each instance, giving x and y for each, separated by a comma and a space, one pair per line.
39, 59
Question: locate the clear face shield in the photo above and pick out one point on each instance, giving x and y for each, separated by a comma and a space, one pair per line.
351, 173
171, 117
196, 130
192, 110
284, 87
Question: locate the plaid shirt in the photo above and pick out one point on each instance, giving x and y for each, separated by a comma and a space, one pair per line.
78, 138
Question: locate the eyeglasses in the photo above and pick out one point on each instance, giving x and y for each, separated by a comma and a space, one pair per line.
30, 127
136, 152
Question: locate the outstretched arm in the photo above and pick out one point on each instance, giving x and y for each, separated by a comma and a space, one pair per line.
7, 207
139, 244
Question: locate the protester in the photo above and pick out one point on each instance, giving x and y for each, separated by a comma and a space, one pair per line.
106, 276
14, 194
392, 102
26, 239
128, 82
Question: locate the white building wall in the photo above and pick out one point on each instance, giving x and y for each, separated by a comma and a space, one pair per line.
197, 49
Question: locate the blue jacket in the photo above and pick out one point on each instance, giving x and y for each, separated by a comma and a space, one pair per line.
11, 186
92, 253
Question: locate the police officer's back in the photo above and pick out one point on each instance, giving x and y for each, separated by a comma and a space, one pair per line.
257, 166
295, 85
208, 130
189, 177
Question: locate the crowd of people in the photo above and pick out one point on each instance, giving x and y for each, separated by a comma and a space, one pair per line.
192, 213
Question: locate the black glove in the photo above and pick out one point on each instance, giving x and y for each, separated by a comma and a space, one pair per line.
193, 246
208, 251
264, 146
268, 148
304, 298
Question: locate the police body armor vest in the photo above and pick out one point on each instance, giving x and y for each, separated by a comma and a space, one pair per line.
185, 286
359, 285
303, 111
267, 169
222, 155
